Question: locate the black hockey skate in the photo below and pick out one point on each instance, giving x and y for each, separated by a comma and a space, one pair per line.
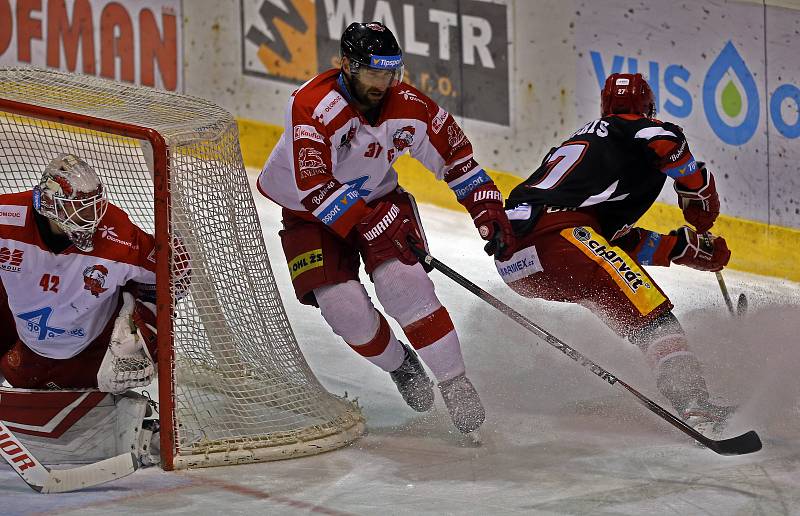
413, 383
463, 403
708, 418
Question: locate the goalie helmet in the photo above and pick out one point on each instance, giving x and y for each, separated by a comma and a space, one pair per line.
373, 46
626, 93
71, 194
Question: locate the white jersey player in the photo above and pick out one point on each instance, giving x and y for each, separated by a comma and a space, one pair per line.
66, 255
332, 172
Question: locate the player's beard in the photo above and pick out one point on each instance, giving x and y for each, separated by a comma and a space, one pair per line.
369, 96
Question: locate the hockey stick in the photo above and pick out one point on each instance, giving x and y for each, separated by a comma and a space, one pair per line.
741, 303
748, 442
42, 479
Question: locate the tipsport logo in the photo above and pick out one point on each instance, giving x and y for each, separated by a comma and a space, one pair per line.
730, 95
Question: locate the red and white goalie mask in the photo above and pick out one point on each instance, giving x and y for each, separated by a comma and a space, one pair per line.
71, 194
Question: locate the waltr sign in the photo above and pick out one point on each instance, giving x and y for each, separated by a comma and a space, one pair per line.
455, 51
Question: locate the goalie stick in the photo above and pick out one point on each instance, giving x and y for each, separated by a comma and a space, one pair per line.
748, 442
42, 479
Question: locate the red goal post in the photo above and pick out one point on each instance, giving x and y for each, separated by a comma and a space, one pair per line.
233, 384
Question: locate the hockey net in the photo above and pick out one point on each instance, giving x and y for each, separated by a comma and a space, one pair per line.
233, 384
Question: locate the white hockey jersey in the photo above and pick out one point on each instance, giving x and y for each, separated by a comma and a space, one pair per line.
61, 302
330, 160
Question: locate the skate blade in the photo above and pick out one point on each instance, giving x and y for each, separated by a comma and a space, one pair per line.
473, 439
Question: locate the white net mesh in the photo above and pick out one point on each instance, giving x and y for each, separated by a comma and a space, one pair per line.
242, 390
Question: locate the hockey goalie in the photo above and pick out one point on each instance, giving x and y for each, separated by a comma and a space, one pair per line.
77, 319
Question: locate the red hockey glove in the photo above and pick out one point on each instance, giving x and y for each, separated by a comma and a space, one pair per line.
704, 251
385, 231
485, 205
700, 207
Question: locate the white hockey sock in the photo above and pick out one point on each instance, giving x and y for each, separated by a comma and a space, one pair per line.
407, 295
348, 310
444, 357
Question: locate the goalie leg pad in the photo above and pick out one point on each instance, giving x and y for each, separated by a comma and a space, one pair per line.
75, 427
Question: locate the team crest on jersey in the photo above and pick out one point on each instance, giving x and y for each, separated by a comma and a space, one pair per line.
455, 136
94, 277
310, 162
403, 138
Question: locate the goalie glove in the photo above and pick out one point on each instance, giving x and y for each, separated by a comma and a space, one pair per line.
700, 207
127, 363
701, 251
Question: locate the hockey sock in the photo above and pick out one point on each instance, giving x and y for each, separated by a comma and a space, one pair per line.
679, 375
436, 342
383, 349
407, 295
347, 309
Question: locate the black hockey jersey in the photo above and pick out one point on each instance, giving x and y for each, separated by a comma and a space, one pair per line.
616, 166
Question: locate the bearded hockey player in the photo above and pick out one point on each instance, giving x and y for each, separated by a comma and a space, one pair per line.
332, 173
573, 219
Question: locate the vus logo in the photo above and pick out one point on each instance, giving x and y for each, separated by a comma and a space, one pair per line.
730, 98
290, 49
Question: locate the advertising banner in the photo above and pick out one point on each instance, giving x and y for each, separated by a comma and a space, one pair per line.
735, 94
136, 41
455, 51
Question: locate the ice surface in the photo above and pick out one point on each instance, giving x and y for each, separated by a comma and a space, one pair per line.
557, 439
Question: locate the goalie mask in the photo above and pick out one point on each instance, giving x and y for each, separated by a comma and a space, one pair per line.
626, 93
71, 195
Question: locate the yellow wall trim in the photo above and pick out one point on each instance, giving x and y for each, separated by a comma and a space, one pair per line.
755, 247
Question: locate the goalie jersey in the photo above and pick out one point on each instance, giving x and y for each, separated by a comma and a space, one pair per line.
330, 161
615, 166
61, 302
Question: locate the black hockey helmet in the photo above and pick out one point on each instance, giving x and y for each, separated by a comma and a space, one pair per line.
372, 45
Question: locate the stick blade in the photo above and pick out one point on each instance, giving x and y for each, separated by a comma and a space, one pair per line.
748, 442
65, 480
741, 305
